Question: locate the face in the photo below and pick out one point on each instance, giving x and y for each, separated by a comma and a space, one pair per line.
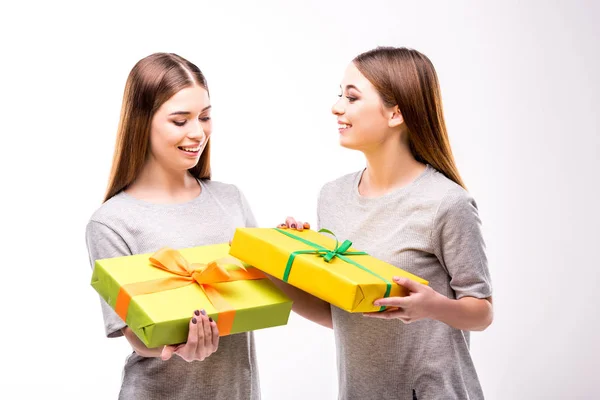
181, 128
364, 122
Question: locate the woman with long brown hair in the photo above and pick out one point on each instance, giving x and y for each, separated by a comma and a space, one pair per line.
408, 207
160, 194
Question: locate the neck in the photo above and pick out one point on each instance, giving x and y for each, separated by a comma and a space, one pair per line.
389, 166
158, 184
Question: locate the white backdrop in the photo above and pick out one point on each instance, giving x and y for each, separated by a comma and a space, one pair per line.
521, 92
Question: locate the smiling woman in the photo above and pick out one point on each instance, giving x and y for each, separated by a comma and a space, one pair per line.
166, 105
160, 195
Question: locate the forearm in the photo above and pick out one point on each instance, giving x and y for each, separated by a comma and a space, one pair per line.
138, 346
306, 305
467, 313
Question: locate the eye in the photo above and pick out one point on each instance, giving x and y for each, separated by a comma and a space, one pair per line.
180, 123
351, 99
204, 119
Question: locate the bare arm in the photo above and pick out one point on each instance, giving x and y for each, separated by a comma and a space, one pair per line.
306, 305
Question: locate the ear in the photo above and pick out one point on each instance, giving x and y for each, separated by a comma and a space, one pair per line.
396, 118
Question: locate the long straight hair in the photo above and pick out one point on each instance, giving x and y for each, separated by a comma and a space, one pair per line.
407, 78
151, 82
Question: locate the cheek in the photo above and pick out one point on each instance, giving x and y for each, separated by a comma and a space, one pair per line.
207, 128
164, 138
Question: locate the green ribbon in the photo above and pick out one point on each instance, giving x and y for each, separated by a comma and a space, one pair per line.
340, 252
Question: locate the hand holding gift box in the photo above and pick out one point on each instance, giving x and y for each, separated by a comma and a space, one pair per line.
155, 294
336, 273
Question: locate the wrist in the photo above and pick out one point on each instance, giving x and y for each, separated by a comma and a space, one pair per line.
439, 304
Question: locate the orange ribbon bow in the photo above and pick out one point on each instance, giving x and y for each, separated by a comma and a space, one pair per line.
186, 274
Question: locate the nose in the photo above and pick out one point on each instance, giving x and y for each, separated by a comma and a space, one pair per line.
197, 132
338, 108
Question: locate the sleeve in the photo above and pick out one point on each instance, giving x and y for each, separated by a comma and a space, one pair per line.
249, 220
458, 244
103, 242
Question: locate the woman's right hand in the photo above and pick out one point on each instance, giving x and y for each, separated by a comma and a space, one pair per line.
291, 223
202, 341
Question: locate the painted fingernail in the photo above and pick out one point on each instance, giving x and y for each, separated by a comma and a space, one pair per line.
293, 226
210, 319
306, 225
197, 312
194, 320
203, 312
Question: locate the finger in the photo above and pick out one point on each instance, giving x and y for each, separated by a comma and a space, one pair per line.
306, 225
290, 222
399, 314
167, 352
199, 353
215, 334
408, 283
282, 226
207, 348
299, 226
188, 351
393, 302
230, 243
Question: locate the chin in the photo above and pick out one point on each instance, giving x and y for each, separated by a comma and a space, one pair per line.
349, 144
189, 165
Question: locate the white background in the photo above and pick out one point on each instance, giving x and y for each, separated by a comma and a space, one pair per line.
521, 93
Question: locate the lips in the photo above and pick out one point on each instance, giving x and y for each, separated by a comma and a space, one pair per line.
190, 149
343, 126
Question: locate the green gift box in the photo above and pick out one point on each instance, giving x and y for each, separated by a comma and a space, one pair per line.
156, 294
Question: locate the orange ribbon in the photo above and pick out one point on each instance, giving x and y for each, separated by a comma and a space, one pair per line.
186, 274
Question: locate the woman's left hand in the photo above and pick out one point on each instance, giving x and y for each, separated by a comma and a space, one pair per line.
421, 303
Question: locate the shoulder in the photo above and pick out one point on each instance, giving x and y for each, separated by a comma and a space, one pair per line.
437, 189
221, 189
111, 212
341, 185
452, 201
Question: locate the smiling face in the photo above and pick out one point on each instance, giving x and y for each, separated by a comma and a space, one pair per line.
364, 121
180, 129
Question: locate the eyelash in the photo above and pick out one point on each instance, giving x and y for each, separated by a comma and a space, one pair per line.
182, 123
350, 98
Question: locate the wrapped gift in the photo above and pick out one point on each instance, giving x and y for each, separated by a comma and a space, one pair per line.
345, 277
157, 294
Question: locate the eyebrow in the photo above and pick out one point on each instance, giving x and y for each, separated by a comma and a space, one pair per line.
348, 87
187, 112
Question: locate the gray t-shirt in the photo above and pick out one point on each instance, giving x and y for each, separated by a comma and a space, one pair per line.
125, 225
430, 228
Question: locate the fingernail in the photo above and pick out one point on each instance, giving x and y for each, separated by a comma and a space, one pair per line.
197, 312
293, 226
306, 225
210, 319
377, 303
194, 320
203, 312
396, 278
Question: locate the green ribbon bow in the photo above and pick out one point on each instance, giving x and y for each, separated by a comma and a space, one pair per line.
340, 252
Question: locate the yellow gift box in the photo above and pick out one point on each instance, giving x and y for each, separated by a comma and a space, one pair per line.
156, 294
336, 273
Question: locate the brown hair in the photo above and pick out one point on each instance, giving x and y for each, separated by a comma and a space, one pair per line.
151, 82
407, 78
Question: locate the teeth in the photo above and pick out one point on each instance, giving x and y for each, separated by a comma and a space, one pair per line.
344, 126
192, 149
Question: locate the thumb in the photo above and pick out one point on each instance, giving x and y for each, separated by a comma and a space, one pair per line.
408, 283
167, 352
